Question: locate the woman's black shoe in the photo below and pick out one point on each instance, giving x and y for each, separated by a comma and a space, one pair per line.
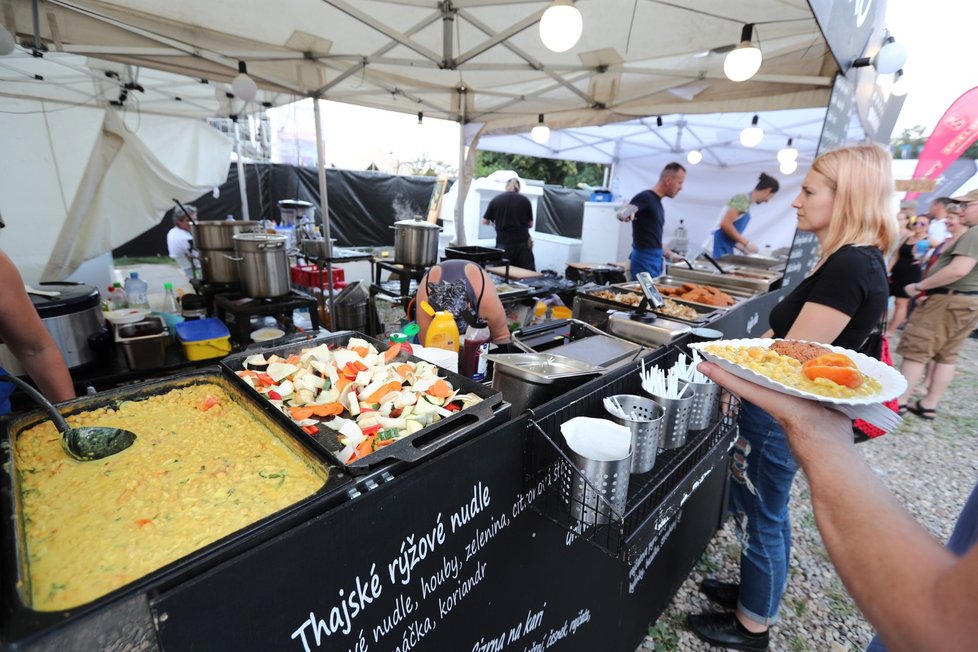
724, 594
723, 630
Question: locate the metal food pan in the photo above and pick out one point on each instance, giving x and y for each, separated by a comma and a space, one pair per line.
737, 294
756, 262
705, 313
723, 281
413, 448
22, 623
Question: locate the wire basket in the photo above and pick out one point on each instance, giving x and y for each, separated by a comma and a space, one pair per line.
653, 497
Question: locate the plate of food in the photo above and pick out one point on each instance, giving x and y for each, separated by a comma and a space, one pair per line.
829, 374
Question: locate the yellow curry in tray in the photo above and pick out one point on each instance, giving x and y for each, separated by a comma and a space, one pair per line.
201, 468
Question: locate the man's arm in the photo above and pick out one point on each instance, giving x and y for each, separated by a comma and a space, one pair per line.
912, 589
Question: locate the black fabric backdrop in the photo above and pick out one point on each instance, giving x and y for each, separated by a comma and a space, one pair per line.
362, 205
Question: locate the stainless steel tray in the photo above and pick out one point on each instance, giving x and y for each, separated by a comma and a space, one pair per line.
724, 281
655, 333
542, 368
759, 262
704, 312
737, 294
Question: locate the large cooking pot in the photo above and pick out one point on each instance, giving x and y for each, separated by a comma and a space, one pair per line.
415, 242
263, 265
216, 234
219, 265
293, 210
74, 320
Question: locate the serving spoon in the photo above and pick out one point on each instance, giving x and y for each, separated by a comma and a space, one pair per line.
86, 443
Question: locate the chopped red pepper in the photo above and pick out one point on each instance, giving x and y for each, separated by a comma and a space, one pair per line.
453, 407
360, 366
275, 396
310, 430
371, 430
265, 380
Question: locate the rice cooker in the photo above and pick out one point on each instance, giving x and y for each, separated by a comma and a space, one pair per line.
73, 318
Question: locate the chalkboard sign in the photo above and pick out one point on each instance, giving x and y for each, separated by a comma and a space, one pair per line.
838, 115
801, 259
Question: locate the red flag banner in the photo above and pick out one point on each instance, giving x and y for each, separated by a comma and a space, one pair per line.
955, 133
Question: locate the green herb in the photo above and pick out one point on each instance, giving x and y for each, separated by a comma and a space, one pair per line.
280, 476
384, 435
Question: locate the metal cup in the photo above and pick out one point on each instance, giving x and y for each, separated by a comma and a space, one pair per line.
599, 487
706, 403
646, 428
675, 423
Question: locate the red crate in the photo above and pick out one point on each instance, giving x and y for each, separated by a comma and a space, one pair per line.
309, 276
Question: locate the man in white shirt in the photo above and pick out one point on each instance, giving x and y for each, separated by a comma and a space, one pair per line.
937, 231
178, 239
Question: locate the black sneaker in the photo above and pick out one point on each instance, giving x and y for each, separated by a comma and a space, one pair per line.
724, 594
723, 630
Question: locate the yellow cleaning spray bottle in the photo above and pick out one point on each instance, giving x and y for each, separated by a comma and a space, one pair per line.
442, 331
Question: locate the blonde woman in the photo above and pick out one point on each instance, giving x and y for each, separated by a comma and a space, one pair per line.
844, 201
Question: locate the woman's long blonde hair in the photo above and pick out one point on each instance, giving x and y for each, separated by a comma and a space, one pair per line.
862, 181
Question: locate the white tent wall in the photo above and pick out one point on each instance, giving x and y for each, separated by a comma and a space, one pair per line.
85, 180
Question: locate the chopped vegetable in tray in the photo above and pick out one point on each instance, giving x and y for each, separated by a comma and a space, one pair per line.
370, 398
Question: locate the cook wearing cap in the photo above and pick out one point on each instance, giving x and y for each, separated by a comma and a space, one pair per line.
941, 323
178, 238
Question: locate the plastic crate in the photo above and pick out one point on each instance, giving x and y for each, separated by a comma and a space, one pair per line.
310, 276
204, 338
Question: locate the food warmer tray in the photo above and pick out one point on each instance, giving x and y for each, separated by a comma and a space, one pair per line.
756, 262
423, 444
753, 281
665, 282
122, 616
653, 333
600, 304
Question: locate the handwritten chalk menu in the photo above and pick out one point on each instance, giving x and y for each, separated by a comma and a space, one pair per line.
448, 556
801, 258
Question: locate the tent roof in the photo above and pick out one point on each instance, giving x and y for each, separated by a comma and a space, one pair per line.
635, 58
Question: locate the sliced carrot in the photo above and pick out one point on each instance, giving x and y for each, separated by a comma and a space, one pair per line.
365, 447
208, 403
300, 413
293, 359
361, 351
847, 376
360, 366
328, 410
404, 369
341, 384
392, 352
393, 386
440, 389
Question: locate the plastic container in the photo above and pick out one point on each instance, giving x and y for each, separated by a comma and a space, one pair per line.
475, 348
561, 312
442, 332
204, 338
402, 339
137, 292
169, 299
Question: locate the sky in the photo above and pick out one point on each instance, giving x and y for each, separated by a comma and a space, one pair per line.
942, 56
938, 34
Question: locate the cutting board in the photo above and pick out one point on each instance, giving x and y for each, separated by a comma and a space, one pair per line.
514, 272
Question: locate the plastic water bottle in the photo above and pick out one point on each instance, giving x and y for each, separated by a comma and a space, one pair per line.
136, 291
119, 296
169, 300
680, 240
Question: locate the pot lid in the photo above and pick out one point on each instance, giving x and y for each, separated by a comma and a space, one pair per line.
224, 224
72, 298
259, 237
417, 223
295, 203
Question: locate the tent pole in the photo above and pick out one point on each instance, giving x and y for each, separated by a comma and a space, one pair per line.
460, 239
245, 214
324, 206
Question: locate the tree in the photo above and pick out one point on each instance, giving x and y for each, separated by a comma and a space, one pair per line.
911, 141
552, 171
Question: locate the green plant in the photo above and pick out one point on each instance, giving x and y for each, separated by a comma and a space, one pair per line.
663, 635
798, 644
840, 604
799, 606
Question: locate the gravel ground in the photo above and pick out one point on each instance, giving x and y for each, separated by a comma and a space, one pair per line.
930, 465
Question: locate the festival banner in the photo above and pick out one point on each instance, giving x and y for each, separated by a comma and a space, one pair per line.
954, 133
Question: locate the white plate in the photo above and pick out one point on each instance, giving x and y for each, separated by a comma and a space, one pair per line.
894, 384
266, 334
125, 315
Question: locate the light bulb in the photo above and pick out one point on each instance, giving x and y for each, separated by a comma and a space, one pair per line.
694, 157
900, 86
787, 153
244, 87
751, 136
891, 57
561, 26
788, 167
540, 134
744, 61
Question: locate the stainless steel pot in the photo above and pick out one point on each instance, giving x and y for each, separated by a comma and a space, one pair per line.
315, 247
415, 242
263, 265
219, 266
74, 320
218, 234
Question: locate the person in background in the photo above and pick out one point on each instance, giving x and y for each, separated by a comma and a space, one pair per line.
512, 215
844, 201
945, 316
178, 239
917, 594
937, 232
456, 286
24, 334
922, 248
648, 218
904, 269
729, 237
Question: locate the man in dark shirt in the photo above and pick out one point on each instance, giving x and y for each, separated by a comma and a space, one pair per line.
512, 214
647, 216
